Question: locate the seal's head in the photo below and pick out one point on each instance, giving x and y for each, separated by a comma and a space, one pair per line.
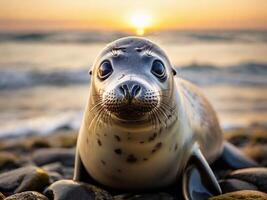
132, 78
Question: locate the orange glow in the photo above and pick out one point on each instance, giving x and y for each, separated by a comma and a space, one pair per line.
140, 22
114, 14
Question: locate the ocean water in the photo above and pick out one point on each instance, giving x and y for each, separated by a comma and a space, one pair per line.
44, 76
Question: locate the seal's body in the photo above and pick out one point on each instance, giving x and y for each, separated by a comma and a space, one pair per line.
136, 155
141, 126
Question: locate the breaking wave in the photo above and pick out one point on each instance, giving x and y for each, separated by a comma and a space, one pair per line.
175, 36
252, 74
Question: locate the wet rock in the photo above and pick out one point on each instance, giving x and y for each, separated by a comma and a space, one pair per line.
251, 140
2, 196
156, 196
23, 179
51, 155
59, 139
68, 172
24, 145
54, 167
55, 171
29, 195
69, 190
239, 137
231, 185
8, 161
38, 143
54, 176
64, 139
13, 145
257, 153
252, 135
241, 195
256, 176
57, 168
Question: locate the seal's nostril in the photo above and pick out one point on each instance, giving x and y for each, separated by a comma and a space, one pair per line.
136, 89
121, 90
130, 90
124, 90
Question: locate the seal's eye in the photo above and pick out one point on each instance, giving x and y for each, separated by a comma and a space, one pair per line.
158, 70
105, 70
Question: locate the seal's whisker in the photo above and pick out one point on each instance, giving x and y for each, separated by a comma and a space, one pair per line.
165, 115
109, 119
95, 106
166, 105
153, 114
157, 115
97, 112
154, 120
162, 95
168, 110
106, 115
151, 117
98, 117
91, 115
165, 108
161, 111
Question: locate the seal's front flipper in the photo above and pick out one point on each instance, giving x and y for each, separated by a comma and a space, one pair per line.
199, 182
78, 167
233, 158
80, 173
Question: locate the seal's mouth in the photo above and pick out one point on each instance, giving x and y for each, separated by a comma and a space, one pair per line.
131, 109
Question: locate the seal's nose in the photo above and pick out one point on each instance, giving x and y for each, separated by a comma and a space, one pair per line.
130, 90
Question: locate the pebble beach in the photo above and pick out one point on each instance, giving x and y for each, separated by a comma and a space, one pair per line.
41, 168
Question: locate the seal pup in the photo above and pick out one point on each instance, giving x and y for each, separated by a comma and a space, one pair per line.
142, 128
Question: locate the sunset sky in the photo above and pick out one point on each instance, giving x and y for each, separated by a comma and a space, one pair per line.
130, 15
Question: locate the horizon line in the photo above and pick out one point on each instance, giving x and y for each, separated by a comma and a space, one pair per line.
29, 25
127, 31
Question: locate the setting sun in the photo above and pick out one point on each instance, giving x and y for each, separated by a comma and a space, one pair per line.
140, 21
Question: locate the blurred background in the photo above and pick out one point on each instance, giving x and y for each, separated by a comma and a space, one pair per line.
47, 48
